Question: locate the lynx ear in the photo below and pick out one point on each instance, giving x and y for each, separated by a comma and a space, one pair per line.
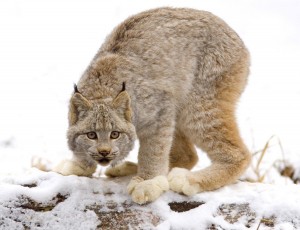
78, 105
122, 104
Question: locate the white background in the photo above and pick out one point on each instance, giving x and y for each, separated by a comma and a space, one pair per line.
46, 45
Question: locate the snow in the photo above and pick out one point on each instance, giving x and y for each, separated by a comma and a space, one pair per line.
263, 201
46, 45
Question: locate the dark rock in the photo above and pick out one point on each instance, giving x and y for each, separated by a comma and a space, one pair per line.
184, 206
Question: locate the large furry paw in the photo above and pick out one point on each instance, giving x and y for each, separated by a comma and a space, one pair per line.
180, 181
143, 191
124, 169
69, 167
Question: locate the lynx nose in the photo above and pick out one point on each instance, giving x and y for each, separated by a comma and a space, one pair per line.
104, 153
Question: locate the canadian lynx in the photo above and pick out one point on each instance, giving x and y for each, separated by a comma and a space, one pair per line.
171, 78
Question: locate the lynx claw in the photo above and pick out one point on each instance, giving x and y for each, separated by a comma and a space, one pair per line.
179, 182
143, 191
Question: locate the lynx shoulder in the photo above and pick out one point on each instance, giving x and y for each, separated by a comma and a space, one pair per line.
171, 78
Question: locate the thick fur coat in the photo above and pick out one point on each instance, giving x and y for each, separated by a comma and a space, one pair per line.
184, 71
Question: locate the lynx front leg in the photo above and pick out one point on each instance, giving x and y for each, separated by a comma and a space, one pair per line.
153, 161
76, 166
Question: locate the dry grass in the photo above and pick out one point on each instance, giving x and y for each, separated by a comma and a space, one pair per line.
278, 164
267, 222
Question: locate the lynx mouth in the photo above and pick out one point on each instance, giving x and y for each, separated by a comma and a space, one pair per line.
104, 161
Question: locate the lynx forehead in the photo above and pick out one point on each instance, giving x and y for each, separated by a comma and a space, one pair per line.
103, 119
102, 111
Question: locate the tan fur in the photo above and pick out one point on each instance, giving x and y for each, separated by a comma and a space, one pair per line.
184, 71
124, 169
181, 144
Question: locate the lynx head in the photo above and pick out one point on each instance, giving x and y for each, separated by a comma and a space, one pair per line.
102, 130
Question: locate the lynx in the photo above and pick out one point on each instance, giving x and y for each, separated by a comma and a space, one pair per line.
171, 78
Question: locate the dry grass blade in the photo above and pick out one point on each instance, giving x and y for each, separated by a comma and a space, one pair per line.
257, 167
263, 152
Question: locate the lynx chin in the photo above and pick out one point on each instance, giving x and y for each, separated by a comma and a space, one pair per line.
171, 78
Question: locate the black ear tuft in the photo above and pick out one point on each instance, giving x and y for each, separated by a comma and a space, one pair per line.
76, 89
123, 86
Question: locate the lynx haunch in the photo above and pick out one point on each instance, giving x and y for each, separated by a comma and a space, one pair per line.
184, 71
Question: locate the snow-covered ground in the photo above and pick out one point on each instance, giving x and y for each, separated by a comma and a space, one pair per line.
42, 200
46, 45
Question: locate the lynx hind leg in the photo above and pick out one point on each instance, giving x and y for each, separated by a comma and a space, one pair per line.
211, 125
228, 155
183, 152
124, 169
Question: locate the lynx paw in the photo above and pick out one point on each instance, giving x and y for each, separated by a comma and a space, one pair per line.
41, 163
124, 169
179, 181
143, 191
69, 167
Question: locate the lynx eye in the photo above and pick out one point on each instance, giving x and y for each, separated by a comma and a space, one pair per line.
114, 134
91, 135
